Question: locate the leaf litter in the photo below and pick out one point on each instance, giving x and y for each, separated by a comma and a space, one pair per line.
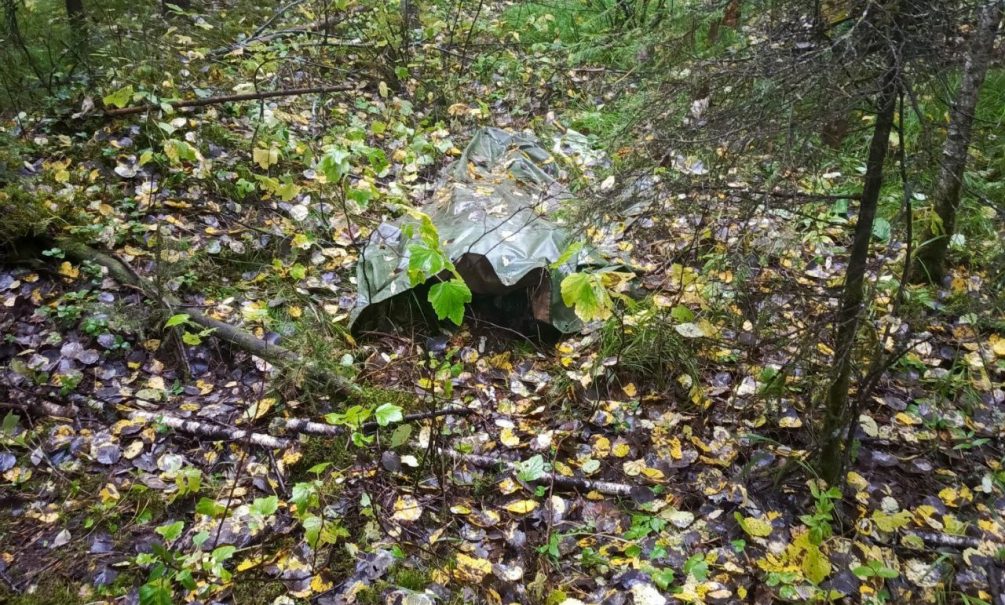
713, 514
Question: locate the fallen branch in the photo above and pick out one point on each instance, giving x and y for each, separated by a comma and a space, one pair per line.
639, 493
309, 427
213, 431
303, 426
241, 339
935, 539
42, 408
251, 96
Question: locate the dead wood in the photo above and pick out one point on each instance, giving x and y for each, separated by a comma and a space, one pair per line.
251, 96
213, 431
636, 492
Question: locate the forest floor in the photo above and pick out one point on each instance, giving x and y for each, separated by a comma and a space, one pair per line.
697, 396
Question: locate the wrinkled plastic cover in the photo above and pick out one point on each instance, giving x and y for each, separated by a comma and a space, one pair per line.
498, 219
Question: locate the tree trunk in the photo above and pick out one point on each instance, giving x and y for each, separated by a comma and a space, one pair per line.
930, 262
75, 11
78, 20
835, 420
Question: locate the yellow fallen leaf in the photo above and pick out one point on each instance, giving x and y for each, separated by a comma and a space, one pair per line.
754, 526
521, 507
471, 569
621, 449
407, 508
890, 522
602, 447
507, 486
319, 584
653, 474
259, 408
630, 389
632, 468
265, 157
816, 566
676, 448
997, 345
68, 270
109, 493
907, 419
508, 438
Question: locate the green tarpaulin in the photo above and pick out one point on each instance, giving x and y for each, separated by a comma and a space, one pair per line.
498, 216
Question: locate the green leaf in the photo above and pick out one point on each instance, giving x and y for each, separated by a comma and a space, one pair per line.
312, 530
571, 250
334, 164
265, 506
177, 150
304, 496
200, 538
156, 592
400, 435
318, 468
663, 578
207, 506
881, 229
885, 572
424, 262
586, 294
681, 314
10, 422
120, 98
697, 567
191, 339
532, 468
387, 413
448, 299
863, 571
223, 553
177, 320
171, 531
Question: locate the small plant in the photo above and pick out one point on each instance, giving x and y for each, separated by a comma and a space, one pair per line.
354, 417
820, 521
184, 321
427, 260
875, 569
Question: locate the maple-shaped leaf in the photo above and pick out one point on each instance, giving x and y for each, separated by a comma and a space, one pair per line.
586, 294
424, 262
120, 98
448, 299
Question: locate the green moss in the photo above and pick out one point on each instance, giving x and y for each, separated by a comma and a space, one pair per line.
53, 590
374, 396
25, 216
249, 593
412, 579
336, 451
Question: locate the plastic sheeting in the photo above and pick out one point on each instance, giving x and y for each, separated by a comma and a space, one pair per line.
497, 217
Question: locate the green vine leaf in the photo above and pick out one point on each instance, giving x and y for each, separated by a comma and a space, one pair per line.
387, 413
424, 262
586, 294
120, 98
448, 299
